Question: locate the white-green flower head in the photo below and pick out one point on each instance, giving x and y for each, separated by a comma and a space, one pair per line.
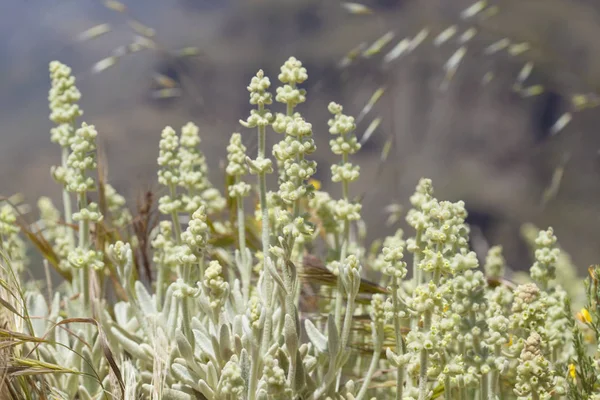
345, 172
293, 72
534, 372
215, 284
281, 121
183, 290
426, 298
254, 312
340, 124
273, 384
464, 261
121, 252
231, 383
546, 257
435, 261
546, 238
196, 234
393, 257
8, 220
495, 263
423, 193
168, 158
498, 327
529, 308
290, 95
344, 145
258, 89
350, 273
190, 136
378, 309
63, 97
116, 206
80, 258
299, 128
236, 155
468, 292
90, 213
83, 147
345, 210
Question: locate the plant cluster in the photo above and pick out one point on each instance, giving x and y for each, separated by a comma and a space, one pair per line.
211, 301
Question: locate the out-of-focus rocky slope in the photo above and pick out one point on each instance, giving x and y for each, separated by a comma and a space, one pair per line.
484, 144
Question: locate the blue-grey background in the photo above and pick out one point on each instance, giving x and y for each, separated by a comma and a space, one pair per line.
483, 144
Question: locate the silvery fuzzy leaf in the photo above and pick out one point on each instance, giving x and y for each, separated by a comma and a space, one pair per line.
146, 348
183, 345
205, 389
245, 366
97, 354
300, 376
225, 345
276, 276
123, 313
48, 354
185, 375
166, 306
262, 395
145, 301
172, 319
187, 352
72, 362
248, 342
197, 324
317, 338
130, 345
333, 343
237, 300
344, 357
392, 357
147, 376
205, 345
89, 381
38, 311
238, 325
284, 361
237, 344
310, 363
54, 316
212, 377
62, 337
289, 331
304, 349
84, 394
169, 394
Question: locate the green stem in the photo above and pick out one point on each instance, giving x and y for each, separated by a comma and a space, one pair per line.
374, 362
245, 268
84, 233
160, 286
185, 320
67, 198
485, 395
400, 345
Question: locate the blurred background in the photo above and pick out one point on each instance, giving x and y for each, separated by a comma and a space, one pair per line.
475, 136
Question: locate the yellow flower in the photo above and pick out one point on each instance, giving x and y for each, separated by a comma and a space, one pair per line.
510, 340
584, 316
572, 370
315, 183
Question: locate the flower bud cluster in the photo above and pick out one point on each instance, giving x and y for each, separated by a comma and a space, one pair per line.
63, 98
546, 257
81, 160
236, 167
193, 174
